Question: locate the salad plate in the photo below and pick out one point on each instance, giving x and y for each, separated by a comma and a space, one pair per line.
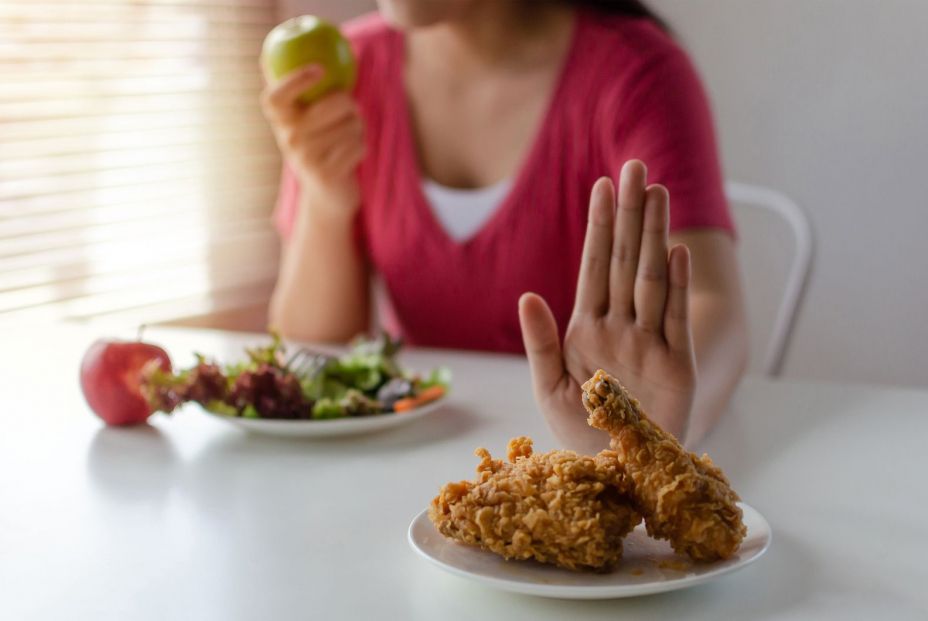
347, 426
306, 394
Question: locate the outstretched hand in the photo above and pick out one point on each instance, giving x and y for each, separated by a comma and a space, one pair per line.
630, 316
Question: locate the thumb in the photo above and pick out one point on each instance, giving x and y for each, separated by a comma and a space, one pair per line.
542, 343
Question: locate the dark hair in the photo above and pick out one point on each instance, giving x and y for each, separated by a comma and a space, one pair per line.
632, 8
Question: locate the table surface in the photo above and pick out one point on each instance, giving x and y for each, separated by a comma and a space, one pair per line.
190, 518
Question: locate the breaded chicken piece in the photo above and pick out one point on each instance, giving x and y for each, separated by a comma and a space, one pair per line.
559, 507
684, 499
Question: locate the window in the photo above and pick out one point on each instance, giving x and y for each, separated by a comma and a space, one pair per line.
136, 173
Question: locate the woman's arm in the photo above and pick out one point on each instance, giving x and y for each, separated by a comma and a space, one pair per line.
322, 291
719, 325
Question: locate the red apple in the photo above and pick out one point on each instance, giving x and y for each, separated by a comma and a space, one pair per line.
111, 374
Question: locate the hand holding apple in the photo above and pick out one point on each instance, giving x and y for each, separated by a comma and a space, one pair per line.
318, 130
111, 375
308, 40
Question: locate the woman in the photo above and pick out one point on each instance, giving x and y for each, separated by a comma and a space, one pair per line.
460, 172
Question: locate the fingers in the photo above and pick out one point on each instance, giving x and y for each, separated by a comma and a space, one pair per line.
280, 99
324, 139
627, 238
624, 266
676, 314
593, 281
542, 343
317, 144
311, 130
650, 288
328, 111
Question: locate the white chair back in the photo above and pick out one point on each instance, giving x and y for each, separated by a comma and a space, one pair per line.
775, 252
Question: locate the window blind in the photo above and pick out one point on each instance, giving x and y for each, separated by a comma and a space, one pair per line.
136, 173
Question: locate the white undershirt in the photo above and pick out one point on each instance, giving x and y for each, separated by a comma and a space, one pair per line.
463, 212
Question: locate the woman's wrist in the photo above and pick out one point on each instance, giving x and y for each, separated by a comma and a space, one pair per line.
329, 206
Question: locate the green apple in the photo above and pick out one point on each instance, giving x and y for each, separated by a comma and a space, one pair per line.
306, 40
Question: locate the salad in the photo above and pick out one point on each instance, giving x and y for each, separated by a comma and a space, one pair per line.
308, 385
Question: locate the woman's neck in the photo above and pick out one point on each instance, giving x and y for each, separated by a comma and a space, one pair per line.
496, 36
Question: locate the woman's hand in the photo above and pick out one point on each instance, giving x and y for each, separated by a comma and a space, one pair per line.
630, 316
323, 141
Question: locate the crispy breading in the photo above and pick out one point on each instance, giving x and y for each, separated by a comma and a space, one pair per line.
684, 498
558, 507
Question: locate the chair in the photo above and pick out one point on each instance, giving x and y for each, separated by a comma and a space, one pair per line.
775, 252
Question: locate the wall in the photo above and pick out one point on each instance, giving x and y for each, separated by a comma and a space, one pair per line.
334, 10
827, 101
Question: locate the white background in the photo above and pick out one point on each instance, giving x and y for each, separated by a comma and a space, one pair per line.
826, 101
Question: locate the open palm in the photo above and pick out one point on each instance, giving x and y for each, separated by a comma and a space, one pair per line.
630, 317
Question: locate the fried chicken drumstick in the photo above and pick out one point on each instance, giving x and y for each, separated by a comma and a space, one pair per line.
684, 498
559, 507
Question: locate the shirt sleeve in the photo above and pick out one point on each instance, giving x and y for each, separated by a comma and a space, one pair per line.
662, 117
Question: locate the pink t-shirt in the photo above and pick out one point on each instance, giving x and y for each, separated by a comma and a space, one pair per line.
626, 91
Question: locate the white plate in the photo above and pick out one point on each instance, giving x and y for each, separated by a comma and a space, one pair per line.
329, 427
647, 565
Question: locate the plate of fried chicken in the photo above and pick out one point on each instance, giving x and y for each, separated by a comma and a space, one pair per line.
644, 517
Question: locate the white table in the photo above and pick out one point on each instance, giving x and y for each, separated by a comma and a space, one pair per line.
192, 519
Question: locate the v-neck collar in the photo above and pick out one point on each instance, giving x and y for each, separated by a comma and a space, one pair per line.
524, 173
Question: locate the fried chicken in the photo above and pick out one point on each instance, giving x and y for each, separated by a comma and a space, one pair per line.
559, 507
684, 498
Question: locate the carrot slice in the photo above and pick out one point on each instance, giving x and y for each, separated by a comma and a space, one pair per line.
429, 394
